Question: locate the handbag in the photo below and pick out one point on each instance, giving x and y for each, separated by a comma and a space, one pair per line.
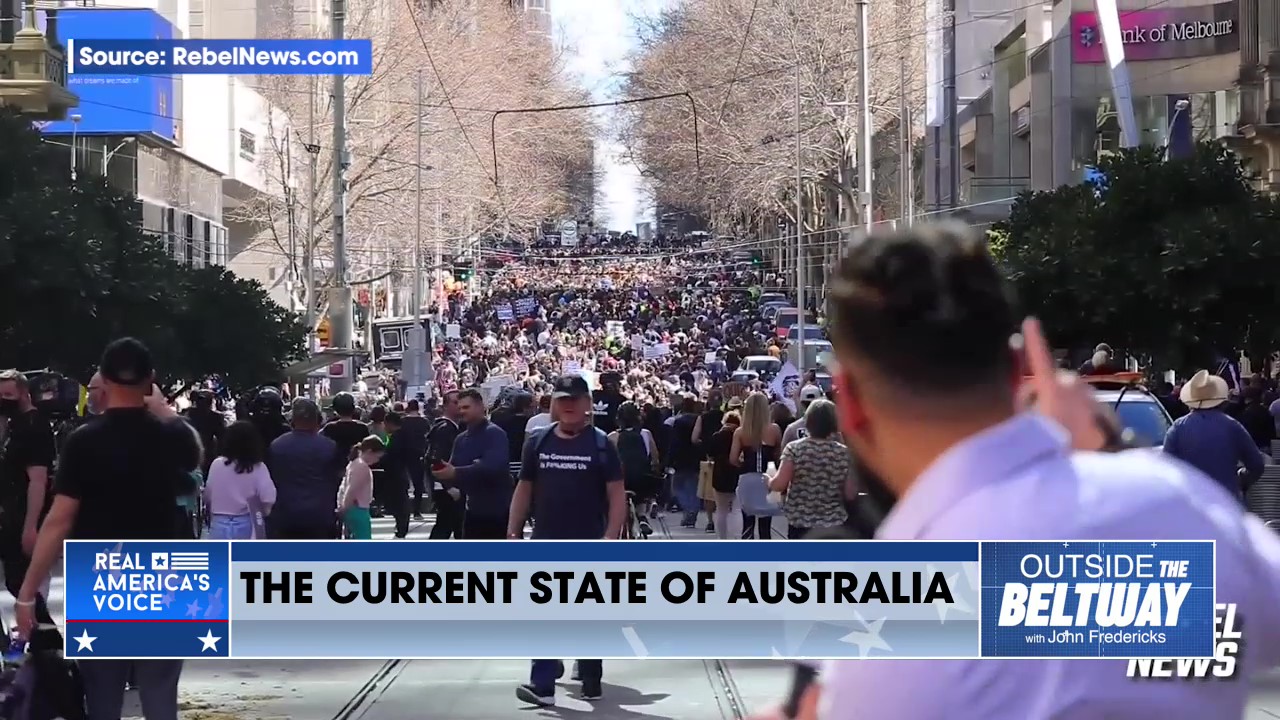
706, 473
753, 491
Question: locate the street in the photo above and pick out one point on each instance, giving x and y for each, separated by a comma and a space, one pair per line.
485, 689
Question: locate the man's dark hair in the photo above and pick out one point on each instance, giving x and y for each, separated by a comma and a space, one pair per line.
411, 406
471, 394
926, 308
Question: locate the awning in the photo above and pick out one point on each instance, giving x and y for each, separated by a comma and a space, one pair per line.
319, 360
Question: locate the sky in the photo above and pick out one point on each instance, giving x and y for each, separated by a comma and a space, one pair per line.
598, 35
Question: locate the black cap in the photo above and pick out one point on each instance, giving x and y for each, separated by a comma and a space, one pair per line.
570, 386
127, 362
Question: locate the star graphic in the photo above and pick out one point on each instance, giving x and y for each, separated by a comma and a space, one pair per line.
215, 604
193, 610
84, 641
168, 599
959, 604
869, 640
209, 641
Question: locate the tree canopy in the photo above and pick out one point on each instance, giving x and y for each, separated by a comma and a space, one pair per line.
77, 270
1164, 258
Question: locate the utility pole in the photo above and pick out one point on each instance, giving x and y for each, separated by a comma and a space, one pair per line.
308, 251
952, 106
864, 142
291, 217
906, 161
340, 290
413, 358
802, 271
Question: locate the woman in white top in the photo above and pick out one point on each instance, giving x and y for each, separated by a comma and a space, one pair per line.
238, 481
357, 489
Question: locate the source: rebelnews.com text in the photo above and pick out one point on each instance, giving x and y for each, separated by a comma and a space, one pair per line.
231, 57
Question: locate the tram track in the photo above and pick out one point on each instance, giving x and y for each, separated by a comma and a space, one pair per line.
379, 682
728, 697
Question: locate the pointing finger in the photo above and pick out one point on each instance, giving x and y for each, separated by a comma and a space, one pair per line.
1039, 359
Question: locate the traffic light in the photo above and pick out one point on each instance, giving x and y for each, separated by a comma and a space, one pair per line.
462, 270
322, 333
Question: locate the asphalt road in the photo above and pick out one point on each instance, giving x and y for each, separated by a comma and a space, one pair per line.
485, 689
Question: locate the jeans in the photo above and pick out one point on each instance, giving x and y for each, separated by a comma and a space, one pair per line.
230, 527
542, 673
685, 487
157, 682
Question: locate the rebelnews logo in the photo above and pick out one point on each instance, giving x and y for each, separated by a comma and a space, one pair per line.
1223, 665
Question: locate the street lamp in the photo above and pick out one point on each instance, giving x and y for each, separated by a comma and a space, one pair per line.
106, 156
75, 127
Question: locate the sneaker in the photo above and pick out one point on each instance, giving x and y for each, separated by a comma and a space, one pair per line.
645, 529
418, 516
591, 691
711, 529
533, 696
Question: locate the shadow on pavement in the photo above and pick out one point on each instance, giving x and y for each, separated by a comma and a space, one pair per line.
616, 704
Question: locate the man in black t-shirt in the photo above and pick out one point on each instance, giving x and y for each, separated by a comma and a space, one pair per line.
346, 431
448, 500
415, 429
26, 464
119, 478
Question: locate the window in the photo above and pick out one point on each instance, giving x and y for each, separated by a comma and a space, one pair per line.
169, 230
248, 145
188, 238
208, 244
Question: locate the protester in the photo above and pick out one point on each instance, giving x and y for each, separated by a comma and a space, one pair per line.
136, 444
755, 447
450, 505
1211, 441
414, 449
307, 477
724, 472
356, 493
797, 429
26, 463
815, 474
684, 459
582, 498
479, 467
239, 484
950, 443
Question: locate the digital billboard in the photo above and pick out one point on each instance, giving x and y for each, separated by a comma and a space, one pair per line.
118, 104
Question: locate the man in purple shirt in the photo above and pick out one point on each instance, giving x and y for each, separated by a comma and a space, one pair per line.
928, 385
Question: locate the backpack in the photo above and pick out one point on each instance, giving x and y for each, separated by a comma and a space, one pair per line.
637, 466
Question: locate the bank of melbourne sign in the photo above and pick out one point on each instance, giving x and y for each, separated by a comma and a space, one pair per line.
1161, 34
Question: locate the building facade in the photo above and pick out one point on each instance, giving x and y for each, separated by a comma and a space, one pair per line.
1199, 71
538, 13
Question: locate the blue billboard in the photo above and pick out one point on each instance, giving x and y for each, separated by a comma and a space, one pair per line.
118, 104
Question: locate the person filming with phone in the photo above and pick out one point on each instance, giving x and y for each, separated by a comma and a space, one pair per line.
966, 459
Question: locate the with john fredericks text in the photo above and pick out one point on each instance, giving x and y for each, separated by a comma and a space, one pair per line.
1095, 600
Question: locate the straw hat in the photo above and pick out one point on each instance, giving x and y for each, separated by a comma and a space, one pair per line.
1204, 391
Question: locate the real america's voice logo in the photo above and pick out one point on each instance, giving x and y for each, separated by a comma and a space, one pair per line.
1122, 600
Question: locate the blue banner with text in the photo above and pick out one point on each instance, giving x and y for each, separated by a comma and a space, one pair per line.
219, 57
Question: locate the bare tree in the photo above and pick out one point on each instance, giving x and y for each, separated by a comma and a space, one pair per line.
739, 60
472, 58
